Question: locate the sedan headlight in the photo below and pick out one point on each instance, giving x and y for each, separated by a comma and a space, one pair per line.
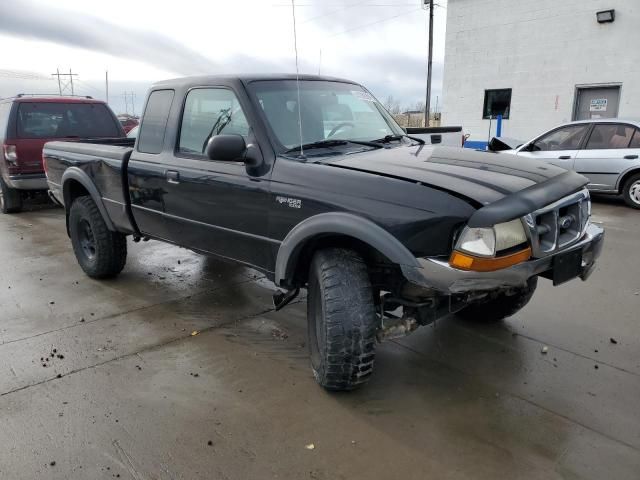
488, 249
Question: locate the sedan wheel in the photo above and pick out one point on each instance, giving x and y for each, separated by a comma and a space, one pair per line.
632, 191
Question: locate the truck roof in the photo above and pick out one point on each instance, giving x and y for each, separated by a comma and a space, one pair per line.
244, 78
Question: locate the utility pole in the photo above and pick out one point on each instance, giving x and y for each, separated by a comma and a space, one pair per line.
106, 84
133, 103
429, 64
131, 95
58, 75
71, 80
62, 86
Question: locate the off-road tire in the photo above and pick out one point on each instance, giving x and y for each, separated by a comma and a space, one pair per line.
10, 198
631, 190
501, 306
100, 252
342, 320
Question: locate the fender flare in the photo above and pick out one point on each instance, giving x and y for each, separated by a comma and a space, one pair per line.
342, 224
74, 173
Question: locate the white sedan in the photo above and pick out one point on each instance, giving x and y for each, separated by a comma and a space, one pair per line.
606, 151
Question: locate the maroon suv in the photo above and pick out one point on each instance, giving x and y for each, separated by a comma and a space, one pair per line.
27, 123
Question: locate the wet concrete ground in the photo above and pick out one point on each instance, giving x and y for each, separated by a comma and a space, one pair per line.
130, 393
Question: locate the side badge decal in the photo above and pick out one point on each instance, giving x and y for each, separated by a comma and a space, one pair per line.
289, 202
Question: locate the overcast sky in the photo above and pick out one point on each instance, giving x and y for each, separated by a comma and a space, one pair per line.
380, 43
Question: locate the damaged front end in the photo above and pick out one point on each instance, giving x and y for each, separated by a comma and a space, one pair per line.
414, 307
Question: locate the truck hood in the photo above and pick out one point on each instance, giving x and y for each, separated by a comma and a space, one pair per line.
483, 177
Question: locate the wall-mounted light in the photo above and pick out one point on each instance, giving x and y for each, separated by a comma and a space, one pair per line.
606, 16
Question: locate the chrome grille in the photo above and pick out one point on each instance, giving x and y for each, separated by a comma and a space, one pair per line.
560, 224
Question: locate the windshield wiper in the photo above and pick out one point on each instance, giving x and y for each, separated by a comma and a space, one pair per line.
388, 138
331, 143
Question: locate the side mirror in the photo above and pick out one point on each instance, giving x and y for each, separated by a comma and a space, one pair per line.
527, 147
226, 148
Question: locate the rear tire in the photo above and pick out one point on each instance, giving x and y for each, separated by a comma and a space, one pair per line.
10, 198
501, 306
342, 320
100, 252
631, 191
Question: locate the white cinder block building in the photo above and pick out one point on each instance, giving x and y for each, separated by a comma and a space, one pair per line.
539, 63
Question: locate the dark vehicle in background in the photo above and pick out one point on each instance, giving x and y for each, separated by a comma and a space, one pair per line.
385, 232
27, 123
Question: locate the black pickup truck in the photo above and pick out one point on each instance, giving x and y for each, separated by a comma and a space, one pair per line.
312, 182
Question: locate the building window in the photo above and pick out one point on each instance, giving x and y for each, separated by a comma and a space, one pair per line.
497, 102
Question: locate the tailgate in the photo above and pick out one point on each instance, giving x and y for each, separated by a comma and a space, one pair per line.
29, 153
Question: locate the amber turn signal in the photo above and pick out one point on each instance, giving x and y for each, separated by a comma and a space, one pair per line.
463, 261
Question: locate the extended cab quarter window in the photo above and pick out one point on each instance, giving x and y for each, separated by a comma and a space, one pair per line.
613, 135
209, 112
154, 123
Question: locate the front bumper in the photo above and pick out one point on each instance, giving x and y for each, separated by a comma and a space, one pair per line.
437, 274
30, 181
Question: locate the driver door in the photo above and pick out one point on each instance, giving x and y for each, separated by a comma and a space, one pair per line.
559, 147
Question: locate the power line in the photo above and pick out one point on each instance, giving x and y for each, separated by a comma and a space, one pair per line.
373, 23
89, 86
23, 75
332, 12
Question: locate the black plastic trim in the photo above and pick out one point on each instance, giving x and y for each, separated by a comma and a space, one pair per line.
343, 224
74, 173
528, 200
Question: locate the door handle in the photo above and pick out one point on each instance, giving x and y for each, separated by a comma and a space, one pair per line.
630, 157
565, 157
172, 176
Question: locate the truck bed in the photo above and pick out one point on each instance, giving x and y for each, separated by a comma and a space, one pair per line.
450, 136
102, 163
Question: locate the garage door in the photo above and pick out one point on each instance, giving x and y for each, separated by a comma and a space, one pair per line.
597, 102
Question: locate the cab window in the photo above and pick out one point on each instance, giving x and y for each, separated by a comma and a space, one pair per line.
154, 122
209, 112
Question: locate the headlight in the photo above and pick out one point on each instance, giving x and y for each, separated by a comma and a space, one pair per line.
486, 242
488, 249
479, 241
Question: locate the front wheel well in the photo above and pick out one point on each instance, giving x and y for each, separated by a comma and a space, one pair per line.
374, 259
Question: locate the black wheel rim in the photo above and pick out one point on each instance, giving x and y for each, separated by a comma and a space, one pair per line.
86, 239
1, 197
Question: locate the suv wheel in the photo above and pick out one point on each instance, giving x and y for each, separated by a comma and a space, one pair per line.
631, 191
10, 198
500, 306
100, 252
342, 320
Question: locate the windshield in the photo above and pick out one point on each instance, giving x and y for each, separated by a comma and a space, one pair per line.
330, 111
59, 120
